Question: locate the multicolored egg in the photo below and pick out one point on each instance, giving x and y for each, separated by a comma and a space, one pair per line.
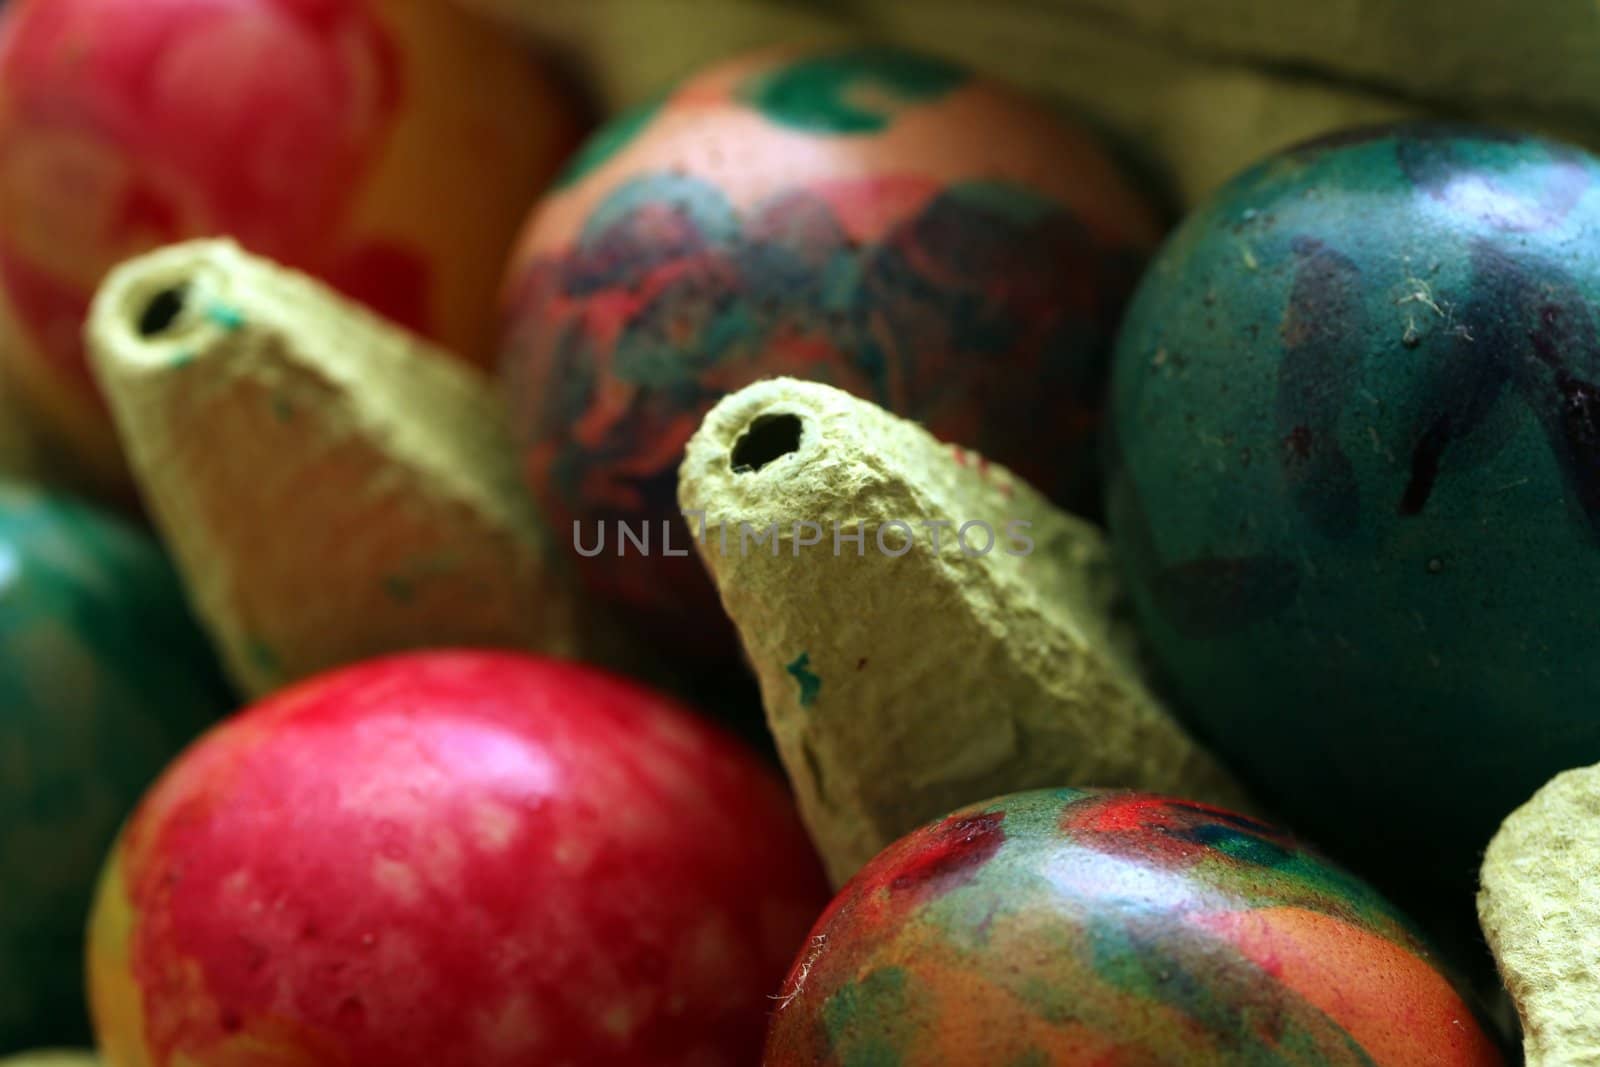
1355, 484
453, 859
1064, 928
878, 220
103, 678
390, 147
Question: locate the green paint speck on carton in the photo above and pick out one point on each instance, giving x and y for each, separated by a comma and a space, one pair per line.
262, 655
229, 318
809, 682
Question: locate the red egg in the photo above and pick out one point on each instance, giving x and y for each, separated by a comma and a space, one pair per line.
453, 858
390, 147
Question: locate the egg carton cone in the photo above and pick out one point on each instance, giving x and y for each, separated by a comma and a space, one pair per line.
1545, 54
331, 487
903, 681
1539, 905
1197, 92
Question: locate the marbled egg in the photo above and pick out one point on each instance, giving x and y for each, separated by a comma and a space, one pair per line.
1064, 928
1355, 484
453, 859
878, 220
389, 147
103, 678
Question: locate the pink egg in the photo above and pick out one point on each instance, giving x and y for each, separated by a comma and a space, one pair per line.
390, 147
453, 860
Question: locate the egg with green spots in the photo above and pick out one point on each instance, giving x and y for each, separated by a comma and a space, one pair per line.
877, 219
103, 678
1068, 928
1355, 485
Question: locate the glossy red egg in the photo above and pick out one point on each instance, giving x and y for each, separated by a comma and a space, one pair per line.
453, 860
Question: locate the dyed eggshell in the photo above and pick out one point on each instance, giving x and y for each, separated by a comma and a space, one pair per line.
873, 219
103, 678
390, 147
1074, 928
1355, 484
453, 860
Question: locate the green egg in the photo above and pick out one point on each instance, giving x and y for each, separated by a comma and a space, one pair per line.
1354, 482
103, 678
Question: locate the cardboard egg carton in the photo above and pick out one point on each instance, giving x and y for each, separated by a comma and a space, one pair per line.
331, 486
1540, 909
1195, 90
901, 680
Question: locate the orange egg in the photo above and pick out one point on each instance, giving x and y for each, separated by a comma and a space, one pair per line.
878, 220
390, 147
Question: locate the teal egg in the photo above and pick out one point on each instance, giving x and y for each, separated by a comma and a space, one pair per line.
1354, 482
103, 678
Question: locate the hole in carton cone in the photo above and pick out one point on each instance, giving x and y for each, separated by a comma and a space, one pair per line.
768, 438
161, 311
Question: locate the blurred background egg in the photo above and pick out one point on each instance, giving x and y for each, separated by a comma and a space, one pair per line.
453, 859
103, 678
1079, 928
390, 147
1355, 486
875, 219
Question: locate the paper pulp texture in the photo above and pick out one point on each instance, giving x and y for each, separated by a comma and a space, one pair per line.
902, 685
1198, 89
1539, 904
332, 487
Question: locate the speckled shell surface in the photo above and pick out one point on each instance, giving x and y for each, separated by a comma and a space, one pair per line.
1355, 484
453, 859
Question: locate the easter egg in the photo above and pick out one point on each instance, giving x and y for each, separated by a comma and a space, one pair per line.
453, 859
1355, 484
390, 147
874, 219
103, 678
1074, 928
